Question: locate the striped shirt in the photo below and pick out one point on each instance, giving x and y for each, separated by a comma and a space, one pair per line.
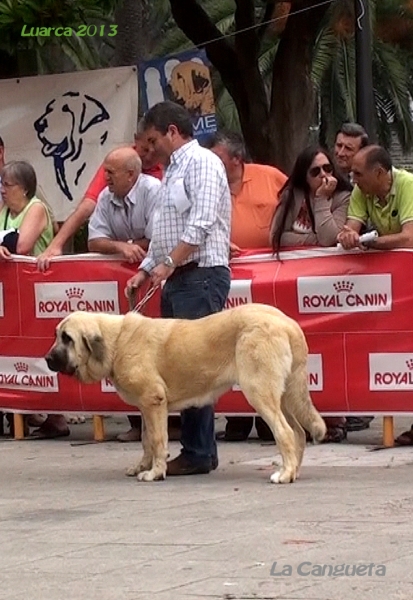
194, 207
129, 218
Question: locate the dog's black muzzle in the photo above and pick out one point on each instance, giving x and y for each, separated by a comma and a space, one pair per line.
57, 362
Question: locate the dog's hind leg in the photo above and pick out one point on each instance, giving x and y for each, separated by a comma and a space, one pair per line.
298, 402
299, 433
155, 416
267, 403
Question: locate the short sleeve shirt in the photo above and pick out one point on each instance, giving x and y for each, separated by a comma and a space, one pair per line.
394, 214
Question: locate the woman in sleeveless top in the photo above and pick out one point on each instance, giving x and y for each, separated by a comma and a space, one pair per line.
20, 210
29, 225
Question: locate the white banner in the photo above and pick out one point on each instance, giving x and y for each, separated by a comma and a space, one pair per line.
391, 371
65, 124
28, 373
345, 294
57, 300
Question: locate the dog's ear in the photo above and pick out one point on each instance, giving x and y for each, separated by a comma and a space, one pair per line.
96, 346
93, 112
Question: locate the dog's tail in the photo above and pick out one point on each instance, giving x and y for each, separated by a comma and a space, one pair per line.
316, 426
301, 405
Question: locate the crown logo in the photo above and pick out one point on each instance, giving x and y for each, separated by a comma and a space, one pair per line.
74, 292
409, 364
21, 367
343, 286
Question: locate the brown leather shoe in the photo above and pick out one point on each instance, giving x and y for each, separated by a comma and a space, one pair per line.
133, 435
182, 466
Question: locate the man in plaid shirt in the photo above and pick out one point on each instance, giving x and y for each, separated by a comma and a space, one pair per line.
189, 251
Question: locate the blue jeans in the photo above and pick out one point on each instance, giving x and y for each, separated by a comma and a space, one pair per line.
192, 295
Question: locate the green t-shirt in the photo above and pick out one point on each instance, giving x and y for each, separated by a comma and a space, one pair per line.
45, 237
396, 212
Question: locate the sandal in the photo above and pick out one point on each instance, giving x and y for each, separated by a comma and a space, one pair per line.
405, 439
46, 432
335, 435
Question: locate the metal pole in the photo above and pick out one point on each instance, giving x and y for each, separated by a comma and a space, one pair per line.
364, 72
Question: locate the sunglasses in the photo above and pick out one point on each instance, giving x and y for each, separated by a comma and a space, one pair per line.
315, 171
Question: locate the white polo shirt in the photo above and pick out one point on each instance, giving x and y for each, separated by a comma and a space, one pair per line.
129, 218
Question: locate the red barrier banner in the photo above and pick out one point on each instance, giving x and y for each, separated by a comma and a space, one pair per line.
355, 309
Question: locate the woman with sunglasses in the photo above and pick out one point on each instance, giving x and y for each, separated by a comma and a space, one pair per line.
313, 203
311, 212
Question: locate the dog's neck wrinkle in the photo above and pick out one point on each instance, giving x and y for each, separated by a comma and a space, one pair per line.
101, 370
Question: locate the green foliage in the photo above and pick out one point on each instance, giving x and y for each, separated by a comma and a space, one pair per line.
84, 53
334, 74
333, 64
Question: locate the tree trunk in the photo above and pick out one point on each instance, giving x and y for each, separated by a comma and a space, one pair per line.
293, 95
132, 18
277, 134
238, 66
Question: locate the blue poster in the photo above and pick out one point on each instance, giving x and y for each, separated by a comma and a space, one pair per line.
184, 78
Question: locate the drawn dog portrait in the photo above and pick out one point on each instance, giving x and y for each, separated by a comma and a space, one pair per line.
190, 84
162, 365
66, 125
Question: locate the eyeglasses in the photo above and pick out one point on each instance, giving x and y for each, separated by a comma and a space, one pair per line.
6, 184
315, 171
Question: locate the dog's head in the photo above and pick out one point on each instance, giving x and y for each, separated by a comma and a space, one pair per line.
79, 349
61, 127
191, 84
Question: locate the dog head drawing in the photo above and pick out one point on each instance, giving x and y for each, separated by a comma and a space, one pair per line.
191, 84
61, 129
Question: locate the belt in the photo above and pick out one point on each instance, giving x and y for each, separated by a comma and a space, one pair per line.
190, 266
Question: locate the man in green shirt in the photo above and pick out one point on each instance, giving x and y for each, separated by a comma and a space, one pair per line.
383, 199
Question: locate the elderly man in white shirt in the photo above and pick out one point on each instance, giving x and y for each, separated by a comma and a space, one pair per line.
122, 220
189, 251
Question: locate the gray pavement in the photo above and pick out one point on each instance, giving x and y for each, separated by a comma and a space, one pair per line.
74, 527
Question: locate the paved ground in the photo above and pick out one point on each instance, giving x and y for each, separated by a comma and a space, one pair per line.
73, 527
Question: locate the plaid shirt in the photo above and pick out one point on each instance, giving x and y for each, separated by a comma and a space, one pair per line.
194, 207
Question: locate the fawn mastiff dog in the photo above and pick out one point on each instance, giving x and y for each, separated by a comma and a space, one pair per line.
162, 365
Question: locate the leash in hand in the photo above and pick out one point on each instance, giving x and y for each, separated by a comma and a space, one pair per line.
138, 306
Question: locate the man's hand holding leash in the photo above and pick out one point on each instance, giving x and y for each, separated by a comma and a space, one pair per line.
135, 282
159, 274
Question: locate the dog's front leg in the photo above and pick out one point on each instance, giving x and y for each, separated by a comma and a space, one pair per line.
156, 434
145, 463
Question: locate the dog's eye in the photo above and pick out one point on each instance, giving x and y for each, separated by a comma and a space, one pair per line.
66, 339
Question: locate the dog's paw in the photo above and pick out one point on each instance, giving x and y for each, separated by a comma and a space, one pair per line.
75, 419
145, 466
282, 477
132, 471
151, 475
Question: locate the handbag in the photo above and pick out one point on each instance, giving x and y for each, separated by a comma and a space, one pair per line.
9, 237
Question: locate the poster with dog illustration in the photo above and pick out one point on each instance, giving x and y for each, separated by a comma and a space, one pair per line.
65, 124
184, 78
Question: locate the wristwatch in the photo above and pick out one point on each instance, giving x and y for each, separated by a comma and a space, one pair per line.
169, 262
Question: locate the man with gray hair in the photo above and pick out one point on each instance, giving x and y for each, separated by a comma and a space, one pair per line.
122, 220
350, 138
